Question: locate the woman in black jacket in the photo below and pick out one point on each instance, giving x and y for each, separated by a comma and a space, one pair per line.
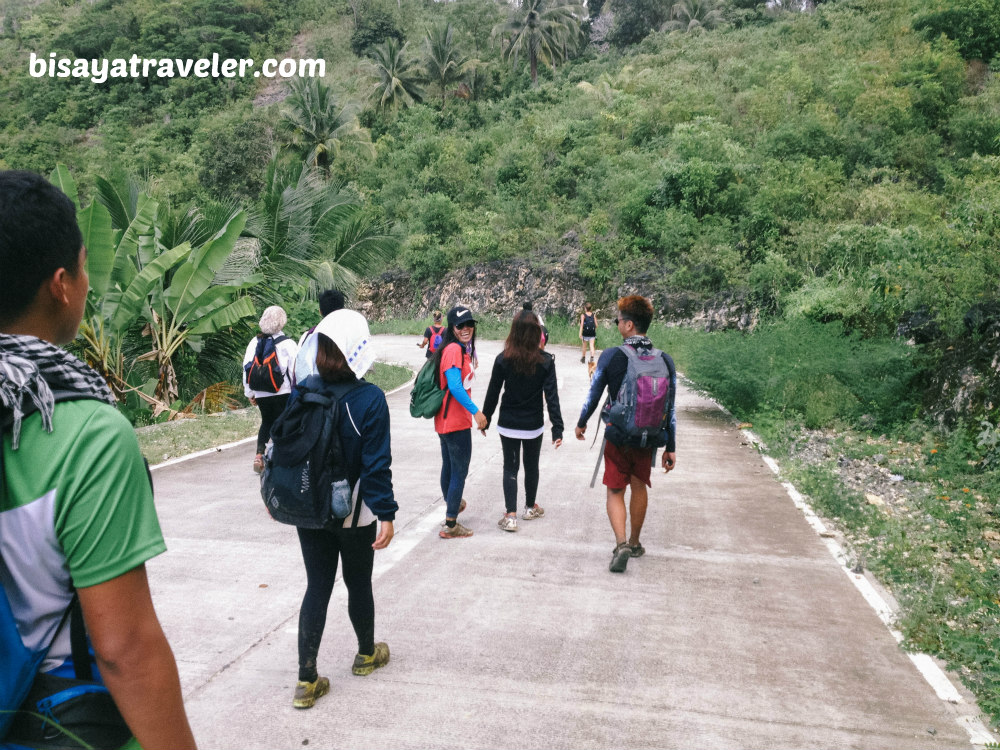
525, 373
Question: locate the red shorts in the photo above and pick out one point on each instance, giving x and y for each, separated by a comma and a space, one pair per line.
623, 463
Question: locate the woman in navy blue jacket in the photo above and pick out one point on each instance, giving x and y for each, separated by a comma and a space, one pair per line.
344, 354
525, 373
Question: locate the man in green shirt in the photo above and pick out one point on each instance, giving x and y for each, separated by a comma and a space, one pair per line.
76, 506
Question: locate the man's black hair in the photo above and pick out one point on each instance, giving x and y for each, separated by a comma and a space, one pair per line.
38, 236
330, 301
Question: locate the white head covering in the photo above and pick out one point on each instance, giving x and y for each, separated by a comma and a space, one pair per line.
348, 329
273, 320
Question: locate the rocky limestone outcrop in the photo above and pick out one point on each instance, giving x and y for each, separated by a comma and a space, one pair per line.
551, 281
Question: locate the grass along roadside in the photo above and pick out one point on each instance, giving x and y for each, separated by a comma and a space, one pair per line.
932, 540
918, 505
161, 442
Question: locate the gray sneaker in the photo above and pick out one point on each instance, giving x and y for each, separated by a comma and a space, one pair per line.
507, 523
455, 532
535, 511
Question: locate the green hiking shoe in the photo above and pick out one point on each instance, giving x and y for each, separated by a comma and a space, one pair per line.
306, 693
367, 664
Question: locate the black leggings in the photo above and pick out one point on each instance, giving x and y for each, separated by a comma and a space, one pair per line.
270, 409
320, 550
511, 464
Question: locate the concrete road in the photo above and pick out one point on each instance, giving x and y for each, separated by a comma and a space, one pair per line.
737, 629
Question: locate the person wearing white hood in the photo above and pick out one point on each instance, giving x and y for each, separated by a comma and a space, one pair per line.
344, 353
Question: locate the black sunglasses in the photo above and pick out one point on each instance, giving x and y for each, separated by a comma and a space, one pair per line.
467, 324
623, 319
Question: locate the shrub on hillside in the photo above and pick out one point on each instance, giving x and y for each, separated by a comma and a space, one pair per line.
812, 370
375, 26
973, 24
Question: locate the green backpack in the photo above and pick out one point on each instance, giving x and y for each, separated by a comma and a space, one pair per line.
427, 396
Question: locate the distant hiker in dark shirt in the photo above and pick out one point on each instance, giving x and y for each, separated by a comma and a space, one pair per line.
588, 332
626, 466
305, 361
433, 335
525, 373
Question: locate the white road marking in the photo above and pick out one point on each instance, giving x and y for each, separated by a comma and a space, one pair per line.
943, 687
199, 454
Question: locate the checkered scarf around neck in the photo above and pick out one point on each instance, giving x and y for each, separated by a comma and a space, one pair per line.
638, 342
31, 369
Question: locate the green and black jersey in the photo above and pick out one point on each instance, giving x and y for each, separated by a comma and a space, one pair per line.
76, 510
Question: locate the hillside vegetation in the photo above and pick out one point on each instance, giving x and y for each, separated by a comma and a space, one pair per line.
834, 167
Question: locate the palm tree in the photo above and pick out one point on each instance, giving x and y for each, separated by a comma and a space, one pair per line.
322, 123
307, 228
544, 30
446, 65
399, 76
694, 15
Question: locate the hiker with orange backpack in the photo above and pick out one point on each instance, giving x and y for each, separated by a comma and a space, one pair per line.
268, 366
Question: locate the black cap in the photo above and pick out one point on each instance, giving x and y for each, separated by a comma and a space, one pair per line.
460, 314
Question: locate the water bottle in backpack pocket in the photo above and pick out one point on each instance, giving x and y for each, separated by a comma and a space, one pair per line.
304, 482
637, 416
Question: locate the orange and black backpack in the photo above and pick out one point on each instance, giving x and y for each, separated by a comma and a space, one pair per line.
264, 371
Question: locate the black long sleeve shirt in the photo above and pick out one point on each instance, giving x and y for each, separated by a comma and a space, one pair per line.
521, 406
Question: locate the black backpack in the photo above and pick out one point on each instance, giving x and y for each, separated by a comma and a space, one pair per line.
304, 482
264, 371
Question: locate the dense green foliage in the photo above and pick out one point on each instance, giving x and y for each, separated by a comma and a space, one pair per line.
834, 166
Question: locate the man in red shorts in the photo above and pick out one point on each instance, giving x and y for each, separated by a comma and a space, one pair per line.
624, 465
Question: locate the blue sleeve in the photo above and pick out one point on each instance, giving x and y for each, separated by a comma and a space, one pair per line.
457, 391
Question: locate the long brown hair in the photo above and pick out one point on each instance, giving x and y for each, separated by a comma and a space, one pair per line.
331, 364
520, 349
